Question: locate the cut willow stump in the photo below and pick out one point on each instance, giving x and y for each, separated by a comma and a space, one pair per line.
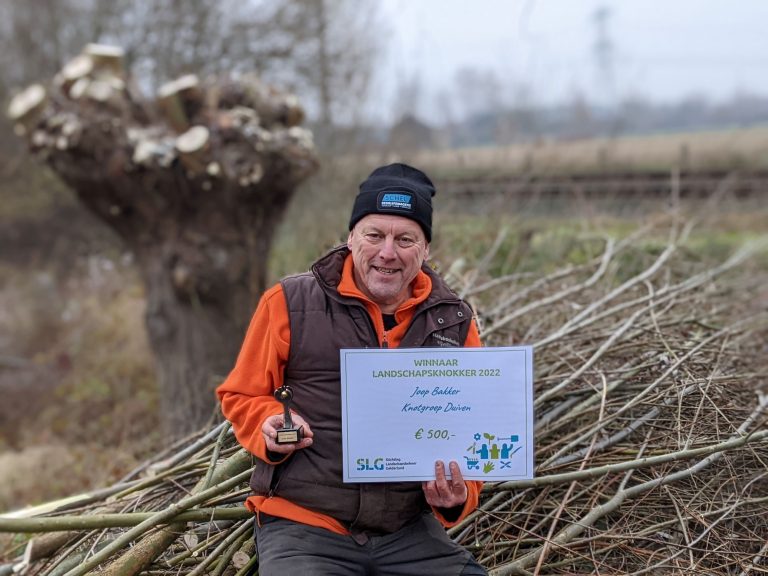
195, 183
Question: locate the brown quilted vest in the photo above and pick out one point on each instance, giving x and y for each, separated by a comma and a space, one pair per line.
322, 322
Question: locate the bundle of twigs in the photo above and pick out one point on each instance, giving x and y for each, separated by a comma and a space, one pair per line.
180, 512
651, 446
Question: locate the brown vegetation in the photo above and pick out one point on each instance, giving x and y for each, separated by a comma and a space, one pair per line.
76, 378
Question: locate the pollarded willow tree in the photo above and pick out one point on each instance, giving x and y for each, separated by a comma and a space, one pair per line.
194, 181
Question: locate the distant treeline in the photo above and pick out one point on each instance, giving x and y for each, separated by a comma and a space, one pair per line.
581, 119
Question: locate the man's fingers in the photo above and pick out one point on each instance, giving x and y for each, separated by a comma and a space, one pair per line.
445, 491
272, 446
269, 430
456, 478
439, 474
442, 479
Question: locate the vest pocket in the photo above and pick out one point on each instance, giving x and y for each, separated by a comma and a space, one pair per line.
261, 477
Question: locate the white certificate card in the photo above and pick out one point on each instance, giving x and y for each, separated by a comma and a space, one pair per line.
403, 409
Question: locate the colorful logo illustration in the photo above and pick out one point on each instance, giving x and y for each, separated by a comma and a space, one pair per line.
489, 451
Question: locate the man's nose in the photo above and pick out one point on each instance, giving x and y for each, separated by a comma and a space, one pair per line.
387, 249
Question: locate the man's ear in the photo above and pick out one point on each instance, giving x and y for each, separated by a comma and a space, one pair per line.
349, 240
426, 252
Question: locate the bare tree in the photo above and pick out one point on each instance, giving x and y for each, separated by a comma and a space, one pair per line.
195, 184
36, 37
322, 49
408, 97
479, 90
198, 212
337, 45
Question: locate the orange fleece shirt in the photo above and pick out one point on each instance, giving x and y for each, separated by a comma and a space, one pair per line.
246, 395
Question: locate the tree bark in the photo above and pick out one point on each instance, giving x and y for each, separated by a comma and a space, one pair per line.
199, 218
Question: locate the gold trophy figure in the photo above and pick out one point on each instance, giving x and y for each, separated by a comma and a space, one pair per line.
288, 434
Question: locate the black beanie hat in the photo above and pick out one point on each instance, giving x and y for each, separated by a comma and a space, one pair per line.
396, 189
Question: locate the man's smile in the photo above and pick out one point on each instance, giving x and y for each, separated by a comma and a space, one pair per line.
382, 270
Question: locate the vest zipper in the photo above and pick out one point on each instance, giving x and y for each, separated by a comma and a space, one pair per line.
384, 341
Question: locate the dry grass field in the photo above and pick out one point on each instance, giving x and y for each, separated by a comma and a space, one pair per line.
722, 150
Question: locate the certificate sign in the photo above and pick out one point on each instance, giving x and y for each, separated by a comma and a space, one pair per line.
403, 409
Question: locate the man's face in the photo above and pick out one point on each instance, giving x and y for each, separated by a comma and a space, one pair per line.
387, 252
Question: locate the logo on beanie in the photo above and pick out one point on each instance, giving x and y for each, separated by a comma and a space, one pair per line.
396, 201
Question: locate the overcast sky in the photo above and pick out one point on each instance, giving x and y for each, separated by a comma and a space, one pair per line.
662, 49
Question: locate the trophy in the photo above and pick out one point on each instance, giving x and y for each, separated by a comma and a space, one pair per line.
288, 434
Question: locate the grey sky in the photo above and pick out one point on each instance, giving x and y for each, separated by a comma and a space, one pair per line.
661, 49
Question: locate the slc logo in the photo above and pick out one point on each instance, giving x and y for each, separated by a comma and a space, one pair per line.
364, 464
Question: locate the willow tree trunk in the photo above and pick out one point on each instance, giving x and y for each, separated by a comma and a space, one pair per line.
195, 183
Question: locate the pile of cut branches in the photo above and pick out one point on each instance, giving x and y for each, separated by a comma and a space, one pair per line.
651, 445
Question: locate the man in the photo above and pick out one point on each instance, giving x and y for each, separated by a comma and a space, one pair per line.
374, 292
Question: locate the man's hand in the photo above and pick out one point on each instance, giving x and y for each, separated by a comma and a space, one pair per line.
270, 427
442, 492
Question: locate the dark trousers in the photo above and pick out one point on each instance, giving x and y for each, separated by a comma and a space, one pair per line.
419, 549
